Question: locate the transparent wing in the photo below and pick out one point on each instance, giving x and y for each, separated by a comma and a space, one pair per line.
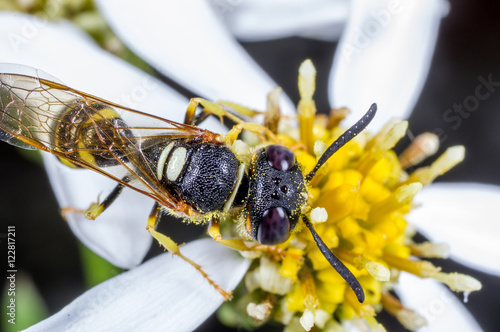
90, 132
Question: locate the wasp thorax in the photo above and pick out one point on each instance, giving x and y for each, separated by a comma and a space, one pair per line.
276, 195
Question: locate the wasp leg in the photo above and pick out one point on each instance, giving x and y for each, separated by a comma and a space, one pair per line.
240, 109
191, 118
239, 244
258, 129
218, 110
95, 209
171, 246
214, 232
208, 108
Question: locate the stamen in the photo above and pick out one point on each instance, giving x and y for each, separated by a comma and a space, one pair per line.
290, 266
267, 276
273, 114
458, 282
374, 325
424, 146
259, 312
398, 199
311, 302
443, 164
378, 146
307, 80
306, 107
388, 136
309, 290
422, 269
408, 318
321, 317
430, 250
307, 319
378, 271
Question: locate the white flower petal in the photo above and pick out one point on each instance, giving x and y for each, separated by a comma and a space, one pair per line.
65, 52
119, 235
442, 310
271, 19
383, 56
187, 42
163, 294
467, 217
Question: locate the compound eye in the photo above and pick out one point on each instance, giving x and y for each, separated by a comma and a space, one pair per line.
280, 157
274, 228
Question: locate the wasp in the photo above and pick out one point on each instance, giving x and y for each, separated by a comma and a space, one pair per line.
192, 173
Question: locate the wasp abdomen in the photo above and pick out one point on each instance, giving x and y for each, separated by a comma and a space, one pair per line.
91, 131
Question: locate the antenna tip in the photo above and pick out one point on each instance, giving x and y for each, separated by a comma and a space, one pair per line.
359, 294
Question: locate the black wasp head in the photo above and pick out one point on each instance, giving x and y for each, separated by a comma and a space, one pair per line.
277, 193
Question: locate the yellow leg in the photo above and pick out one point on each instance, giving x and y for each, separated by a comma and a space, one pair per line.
239, 244
272, 115
218, 110
255, 128
171, 246
245, 111
67, 210
95, 209
210, 108
214, 232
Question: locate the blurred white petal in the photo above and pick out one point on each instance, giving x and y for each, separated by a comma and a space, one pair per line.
383, 56
442, 310
65, 52
263, 20
467, 217
187, 42
165, 294
119, 234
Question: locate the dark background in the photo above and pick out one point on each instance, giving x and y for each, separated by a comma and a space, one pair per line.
468, 46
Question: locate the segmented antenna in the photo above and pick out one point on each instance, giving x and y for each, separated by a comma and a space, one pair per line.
336, 263
344, 138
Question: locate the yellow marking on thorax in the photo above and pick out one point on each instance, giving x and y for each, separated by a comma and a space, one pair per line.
163, 158
176, 163
241, 172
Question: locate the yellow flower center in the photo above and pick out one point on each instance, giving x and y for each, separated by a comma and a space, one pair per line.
358, 203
